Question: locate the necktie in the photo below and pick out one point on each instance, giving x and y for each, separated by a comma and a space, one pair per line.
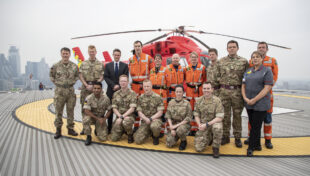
116, 69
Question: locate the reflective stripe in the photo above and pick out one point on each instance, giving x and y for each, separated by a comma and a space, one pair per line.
267, 124
138, 77
268, 62
267, 134
173, 85
189, 98
147, 65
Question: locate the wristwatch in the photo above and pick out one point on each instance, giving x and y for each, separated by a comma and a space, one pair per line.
151, 119
207, 124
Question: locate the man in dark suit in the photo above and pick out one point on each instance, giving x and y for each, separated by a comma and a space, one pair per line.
111, 76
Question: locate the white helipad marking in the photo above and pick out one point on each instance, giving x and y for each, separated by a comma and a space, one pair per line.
276, 110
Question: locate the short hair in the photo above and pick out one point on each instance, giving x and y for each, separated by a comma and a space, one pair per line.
179, 86
116, 50
233, 41
91, 47
258, 53
213, 50
207, 82
146, 81
65, 49
98, 83
158, 55
124, 76
194, 53
138, 41
263, 43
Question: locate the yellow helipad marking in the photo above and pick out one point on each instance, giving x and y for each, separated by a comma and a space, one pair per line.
293, 96
37, 115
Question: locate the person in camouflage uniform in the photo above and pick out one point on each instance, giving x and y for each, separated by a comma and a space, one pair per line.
150, 108
231, 69
124, 102
179, 115
64, 74
90, 71
97, 109
212, 71
208, 114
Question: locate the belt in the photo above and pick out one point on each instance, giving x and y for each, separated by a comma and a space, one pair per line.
159, 87
137, 82
230, 87
91, 82
64, 86
193, 86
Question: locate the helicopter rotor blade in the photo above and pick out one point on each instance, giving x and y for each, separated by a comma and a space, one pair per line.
195, 38
241, 38
113, 33
157, 38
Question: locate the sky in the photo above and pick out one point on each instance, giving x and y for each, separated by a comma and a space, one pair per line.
39, 28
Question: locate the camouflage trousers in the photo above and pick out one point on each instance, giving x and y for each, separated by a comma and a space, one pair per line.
62, 97
203, 138
181, 133
146, 130
84, 93
125, 126
232, 99
102, 130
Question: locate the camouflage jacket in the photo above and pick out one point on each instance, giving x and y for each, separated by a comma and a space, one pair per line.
92, 71
213, 74
150, 104
179, 111
64, 74
208, 109
97, 106
122, 101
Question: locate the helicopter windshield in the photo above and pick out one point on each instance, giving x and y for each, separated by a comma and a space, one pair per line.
205, 61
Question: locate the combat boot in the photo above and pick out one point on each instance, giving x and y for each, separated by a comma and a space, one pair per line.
183, 145
238, 143
155, 140
58, 133
88, 140
216, 152
72, 132
135, 129
225, 140
246, 142
268, 144
130, 139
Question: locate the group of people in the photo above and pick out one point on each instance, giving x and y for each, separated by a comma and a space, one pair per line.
155, 100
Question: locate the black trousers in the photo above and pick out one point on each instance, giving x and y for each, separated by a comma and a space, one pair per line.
256, 119
110, 122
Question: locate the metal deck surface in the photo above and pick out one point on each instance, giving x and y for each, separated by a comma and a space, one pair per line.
29, 151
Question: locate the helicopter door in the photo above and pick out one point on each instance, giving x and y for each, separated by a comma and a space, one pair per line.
183, 62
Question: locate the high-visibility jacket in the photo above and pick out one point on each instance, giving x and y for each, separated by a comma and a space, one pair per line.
174, 78
140, 70
159, 82
193, 79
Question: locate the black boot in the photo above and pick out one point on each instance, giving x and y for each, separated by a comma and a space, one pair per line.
155, 140
72, 132
246, 142
88, 140
268, 144
183, 145
130, 139
238, 143
161, 135
58, 133
82, 132
225, 140
135, 129
250, 152
216, 152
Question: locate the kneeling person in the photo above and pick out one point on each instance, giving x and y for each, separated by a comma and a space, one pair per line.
179, 115
95, 106
124, 103
150, 109
209, 114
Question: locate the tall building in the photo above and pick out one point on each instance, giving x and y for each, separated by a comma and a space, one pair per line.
14, 60
6, 74
39, 72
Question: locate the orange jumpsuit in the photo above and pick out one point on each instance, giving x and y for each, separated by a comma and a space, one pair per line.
174, 78
194, 79
273, 65
139, 70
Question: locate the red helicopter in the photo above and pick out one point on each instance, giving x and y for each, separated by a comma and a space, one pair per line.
179, 43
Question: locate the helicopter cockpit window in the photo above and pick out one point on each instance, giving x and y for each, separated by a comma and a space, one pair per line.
169, 60
183, 62
205, 61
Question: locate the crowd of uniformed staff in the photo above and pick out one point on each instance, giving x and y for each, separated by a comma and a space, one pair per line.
181, 101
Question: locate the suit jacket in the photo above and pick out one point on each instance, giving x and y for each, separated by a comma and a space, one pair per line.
109, 76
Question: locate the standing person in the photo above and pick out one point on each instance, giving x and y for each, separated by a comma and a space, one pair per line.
112, 72
150, 108
97, 109
270, 62
64, 75
91, 71
209, 114
231, 69
124, 103
179, 115
195, 75
175, 76
256, 86
212, 71
139, 65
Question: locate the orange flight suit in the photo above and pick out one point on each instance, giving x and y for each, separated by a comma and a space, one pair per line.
174, 78
273, 65
194, 79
